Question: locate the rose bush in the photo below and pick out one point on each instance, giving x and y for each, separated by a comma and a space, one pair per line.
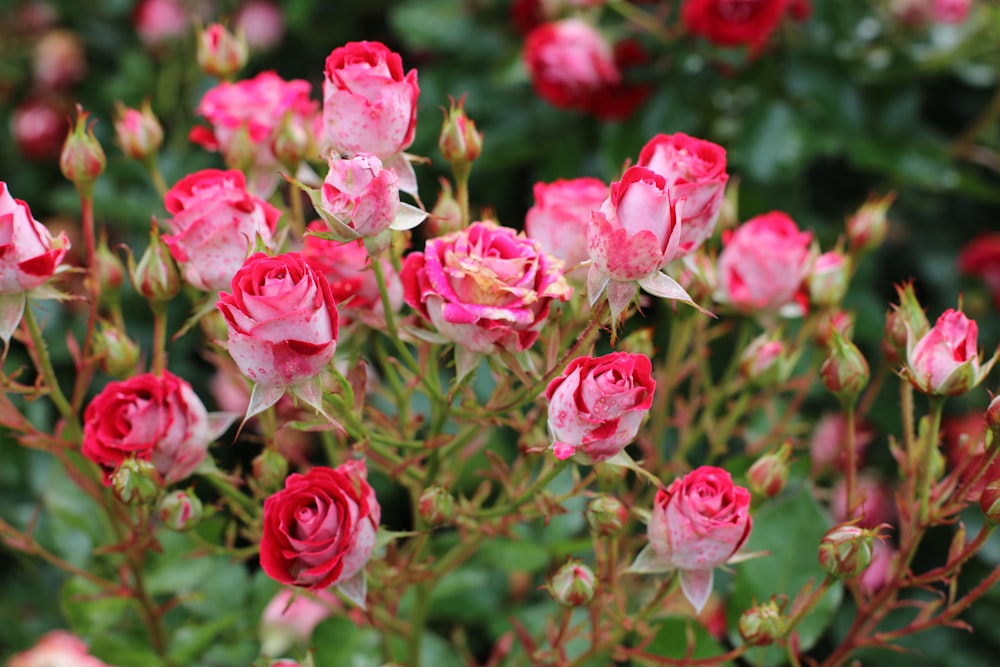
597, 405
319, 531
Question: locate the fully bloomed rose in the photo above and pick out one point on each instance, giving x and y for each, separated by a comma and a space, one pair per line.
282, 320
945, 361
369, 105
734, 22
246, 118
697, 524
597, 404
347, 265
361, 194
763, 263
57, 648
152, 418
484, 286
216, 220
695, 171
28, 258
559, 218
569, 62
319, 531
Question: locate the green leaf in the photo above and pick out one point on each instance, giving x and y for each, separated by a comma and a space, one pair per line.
674, 636
790, 530
511, 556
337, 641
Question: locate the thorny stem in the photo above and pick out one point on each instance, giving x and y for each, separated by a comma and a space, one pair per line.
85, 369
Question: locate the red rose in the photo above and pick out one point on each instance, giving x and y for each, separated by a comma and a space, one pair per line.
319, 530
733, 22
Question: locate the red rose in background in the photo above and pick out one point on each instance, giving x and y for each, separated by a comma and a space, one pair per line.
739, 22
981, 258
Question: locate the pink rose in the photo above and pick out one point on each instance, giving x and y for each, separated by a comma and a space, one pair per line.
635, 233
828, 445
484, 286
39, 127
159, 21
246, 118
697, 524
216, 221
945, 361
262, 23
369, 105
763, 263
569, 63
56, 648
153, 418
597, 405
875, 503
559, 218
347, 266
361, 194
950, 11
290, 618
28, 258
695, 171
282, 320
319, 531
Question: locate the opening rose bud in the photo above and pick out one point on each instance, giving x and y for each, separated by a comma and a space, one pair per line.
221, 53
573, 584
180, 510
769, 474
763, 624
945, 361
82, 159
844, 371
606, 515
845, 550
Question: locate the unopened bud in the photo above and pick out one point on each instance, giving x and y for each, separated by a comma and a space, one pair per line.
763, 624
156, 276
905, 319
221, 53
845, 371
993, 416
460, 143
989, 501
436, 506
769, 474
763, 362
110, 270
180, 510
292, 142
828, 279
269, 469
866, 229
829, 321
138, 131
606, 515
446, 216
118, 354
845, 550
136, 482
82, 159
573, 584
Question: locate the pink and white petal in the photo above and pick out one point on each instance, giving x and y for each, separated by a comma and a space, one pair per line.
697, 586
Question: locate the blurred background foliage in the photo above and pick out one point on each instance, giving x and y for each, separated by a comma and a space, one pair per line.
847, 103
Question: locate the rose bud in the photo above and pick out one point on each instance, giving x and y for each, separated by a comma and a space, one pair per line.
769, 474
293, 142
136, 482
573, 584
82, 159
697, 524
180, 511
866, 229
597, 405
845, 371
110, 270
55, 648
992, 417
845, 550
319, 531
904, 320
436, 506
989, 501
945, 361
117, 354
290, 618
138, 130
269, 469
606, 515
446, 216
828, 279
459, 142
763, 624
765, 362
155, 276
829, 321
559, 218
220, 52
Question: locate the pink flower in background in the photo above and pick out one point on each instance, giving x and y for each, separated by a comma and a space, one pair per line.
828, 446
695, 171
484, 287
569, 62
282, 320
139, 132
262, 23
763, 263
950, 11
965, 446
878, 571
58, 60
597, 405
875, 505
370, 105
361, 194
290, 618
57, 648
560, 216
245, 118
697, 524
216, 222
981, 258
347, 265
945, 361
152, 418
159, 21
39, 127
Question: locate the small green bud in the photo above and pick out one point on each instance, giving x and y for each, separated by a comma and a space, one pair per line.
136, 482
180, 510
573, 584
606, 515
